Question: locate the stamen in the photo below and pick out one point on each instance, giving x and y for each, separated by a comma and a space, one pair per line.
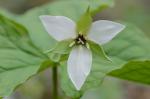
81, 41
87, 45
71, 44
78, 42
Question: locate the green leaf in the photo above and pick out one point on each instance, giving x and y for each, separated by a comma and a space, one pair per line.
136, 71
84, 24
130, 44
19, 58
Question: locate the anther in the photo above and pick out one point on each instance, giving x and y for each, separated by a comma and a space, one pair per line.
71, 44
87, 45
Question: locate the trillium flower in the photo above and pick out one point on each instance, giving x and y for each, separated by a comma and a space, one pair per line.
80, 59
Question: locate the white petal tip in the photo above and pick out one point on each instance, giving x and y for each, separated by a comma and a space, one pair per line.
122, 27
78, 83
42, 16
78, 88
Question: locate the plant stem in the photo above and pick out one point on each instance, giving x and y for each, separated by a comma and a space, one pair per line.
55, 83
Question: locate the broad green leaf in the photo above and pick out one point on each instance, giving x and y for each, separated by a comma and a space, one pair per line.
129, 45
137, 71
19, 58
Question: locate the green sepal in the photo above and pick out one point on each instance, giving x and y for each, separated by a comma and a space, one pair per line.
60, 49
84, 23
19, 57
99, 49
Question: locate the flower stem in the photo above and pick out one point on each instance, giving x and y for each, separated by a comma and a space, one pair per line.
55, 83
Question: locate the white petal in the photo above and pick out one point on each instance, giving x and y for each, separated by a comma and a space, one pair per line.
103, 31
59, 27
79, 65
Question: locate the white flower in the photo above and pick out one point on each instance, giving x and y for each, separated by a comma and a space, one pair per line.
80, 59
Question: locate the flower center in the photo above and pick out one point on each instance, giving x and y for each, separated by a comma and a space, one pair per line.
80, 40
